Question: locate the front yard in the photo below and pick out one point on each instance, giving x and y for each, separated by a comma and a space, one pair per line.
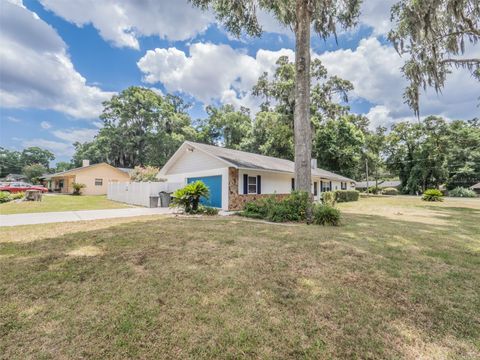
400, 279
51, 203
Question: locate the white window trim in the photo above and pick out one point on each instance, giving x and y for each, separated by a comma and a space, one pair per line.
248, 185
98, 184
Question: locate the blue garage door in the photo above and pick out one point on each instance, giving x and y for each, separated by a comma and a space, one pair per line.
214, 184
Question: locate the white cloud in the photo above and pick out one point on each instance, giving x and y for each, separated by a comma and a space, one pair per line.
45, 125
57, 147
376, 14
13, 119
75, 135
36, 70
210, 72
374, 70
122, 22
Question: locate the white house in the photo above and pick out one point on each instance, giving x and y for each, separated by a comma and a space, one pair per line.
236, 177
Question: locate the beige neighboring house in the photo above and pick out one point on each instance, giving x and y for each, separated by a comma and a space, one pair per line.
95, 177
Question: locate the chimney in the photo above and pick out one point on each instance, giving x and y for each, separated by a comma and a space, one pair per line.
85, 163
314, 163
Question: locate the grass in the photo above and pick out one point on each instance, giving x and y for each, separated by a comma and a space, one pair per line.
383, 285
51, 203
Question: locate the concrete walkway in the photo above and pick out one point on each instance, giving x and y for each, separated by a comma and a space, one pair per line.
66, 216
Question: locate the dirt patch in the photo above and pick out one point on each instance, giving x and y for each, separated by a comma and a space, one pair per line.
86, 251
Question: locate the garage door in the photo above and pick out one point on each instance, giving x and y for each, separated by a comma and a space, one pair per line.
214, 184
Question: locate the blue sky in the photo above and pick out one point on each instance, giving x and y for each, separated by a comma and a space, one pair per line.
60, 60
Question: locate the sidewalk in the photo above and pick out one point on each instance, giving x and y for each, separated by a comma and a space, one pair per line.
67, 216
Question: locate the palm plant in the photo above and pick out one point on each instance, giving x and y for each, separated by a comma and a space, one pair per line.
189, 196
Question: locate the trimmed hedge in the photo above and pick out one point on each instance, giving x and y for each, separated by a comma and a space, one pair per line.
346, 195
5, 196
329, 198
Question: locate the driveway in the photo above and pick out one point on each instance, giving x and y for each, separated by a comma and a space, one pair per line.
67, 216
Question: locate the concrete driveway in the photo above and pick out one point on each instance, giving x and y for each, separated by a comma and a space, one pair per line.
67, 216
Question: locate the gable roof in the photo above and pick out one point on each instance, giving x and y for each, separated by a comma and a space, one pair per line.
476, 186
71, 171
245, 160
381, 184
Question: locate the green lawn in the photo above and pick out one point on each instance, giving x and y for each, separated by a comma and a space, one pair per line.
387, 284
51, 203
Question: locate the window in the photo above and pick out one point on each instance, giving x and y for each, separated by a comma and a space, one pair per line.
252, 184
98, 182
315, 188
343, 185
293, 184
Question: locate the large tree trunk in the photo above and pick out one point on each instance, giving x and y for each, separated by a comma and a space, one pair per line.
302, 127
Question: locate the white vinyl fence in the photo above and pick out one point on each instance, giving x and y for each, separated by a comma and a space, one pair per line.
138, 193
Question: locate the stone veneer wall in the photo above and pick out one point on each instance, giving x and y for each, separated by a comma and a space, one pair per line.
237, 201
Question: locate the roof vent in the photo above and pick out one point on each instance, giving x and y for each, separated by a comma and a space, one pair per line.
85, 163
314, 163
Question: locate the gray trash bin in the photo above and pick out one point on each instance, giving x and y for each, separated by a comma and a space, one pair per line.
153, 201
165, 199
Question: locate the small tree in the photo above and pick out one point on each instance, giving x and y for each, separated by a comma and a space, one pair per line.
144, 174
189, 196
34, 171
77, 188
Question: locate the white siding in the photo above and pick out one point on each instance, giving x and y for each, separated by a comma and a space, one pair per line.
195, 160
272, 183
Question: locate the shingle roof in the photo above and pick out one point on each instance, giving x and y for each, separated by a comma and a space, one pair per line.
246, 160
49, 176
381, 184
476, 186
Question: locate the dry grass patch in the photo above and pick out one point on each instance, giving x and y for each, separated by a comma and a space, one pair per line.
227, 288
86, 251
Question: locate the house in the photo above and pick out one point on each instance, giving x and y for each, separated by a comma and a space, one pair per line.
95, 177
476, 188
236, 177
15, 177
362, 185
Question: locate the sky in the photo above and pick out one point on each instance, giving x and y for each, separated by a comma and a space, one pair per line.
59, 60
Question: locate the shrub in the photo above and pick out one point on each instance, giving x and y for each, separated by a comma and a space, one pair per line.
326, 215
144, 174
390, 191
189, 196
346, 195
5, 197
77, 188
432, 195
329, 198
17, 196
291, 208
462, 192
207, 210
374, 190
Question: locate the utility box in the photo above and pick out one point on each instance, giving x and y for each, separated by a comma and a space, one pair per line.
153, 201
165, 199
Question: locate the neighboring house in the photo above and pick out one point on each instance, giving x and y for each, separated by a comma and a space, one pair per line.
362, 185
95, 177
476, 188
236, 177
15, 177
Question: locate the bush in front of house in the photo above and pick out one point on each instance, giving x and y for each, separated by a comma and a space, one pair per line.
374, 190
326, 215
346, 195
144, 174
291, 208
390, 191
5, 196
329, 198
462, 192
432, 195
77, 188
189, 196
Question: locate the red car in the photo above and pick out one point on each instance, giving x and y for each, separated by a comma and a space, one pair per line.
21, 187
